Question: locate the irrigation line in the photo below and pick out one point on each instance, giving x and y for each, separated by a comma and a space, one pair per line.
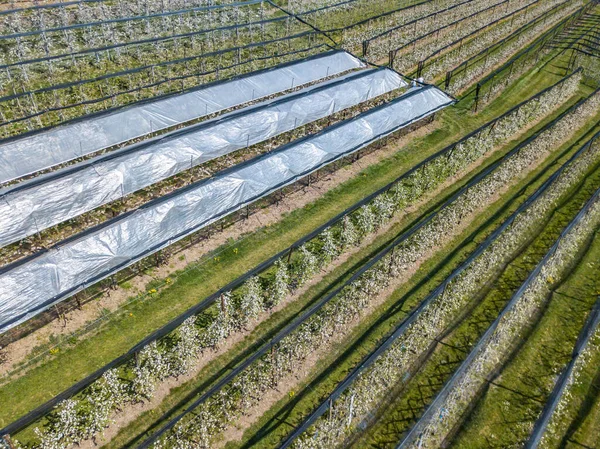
414, 315
45, 408
588, 330
366, 267
426, 418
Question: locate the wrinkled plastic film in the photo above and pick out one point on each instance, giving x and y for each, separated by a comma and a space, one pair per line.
64, 143
72, 192
28, 288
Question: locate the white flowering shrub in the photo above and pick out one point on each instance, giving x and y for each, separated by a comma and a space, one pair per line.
309, 264
331, 248
349, 233
366, 220
187, 347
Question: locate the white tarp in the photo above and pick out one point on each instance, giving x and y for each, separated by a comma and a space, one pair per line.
31, 207
31, 286
58, 145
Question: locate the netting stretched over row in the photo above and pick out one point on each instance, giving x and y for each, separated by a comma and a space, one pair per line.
33, 206
37, 152
28, 287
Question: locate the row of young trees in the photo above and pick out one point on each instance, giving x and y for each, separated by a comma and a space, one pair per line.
354, 25
20, 47
468, 71
495, 346
410, 54
413, 337
36, 74
236, 308
458, 50
58, 14
570, 398
495, 83
324, 326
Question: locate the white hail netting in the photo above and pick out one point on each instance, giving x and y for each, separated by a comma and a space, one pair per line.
27, 209
33, 285
58, 145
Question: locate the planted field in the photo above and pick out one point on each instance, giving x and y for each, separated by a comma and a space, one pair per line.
299, 223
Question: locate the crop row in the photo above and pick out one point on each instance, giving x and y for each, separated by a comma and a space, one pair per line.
494, 83
393, 361
567, 395
500, 339
52, 72
466, 47
322, 324
378, 44
81, 13
60, 103
346, 232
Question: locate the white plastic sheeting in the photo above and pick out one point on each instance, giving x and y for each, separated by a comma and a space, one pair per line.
35, 284
55, 146
26, 210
